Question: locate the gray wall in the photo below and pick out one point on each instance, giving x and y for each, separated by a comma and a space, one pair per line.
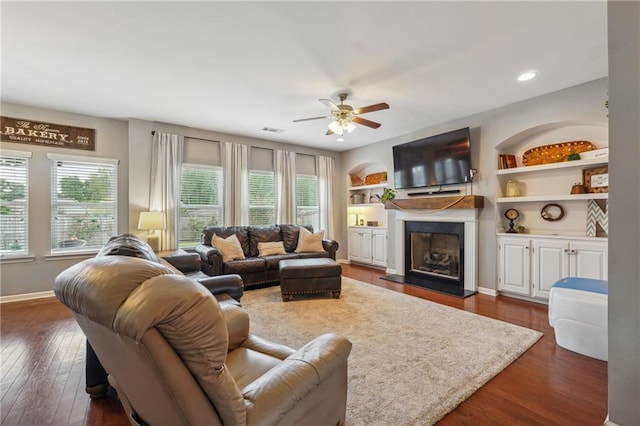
583, 103
118, 139
111, 142
624, 219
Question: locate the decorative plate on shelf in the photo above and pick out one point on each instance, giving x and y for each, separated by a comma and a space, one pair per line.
555, 153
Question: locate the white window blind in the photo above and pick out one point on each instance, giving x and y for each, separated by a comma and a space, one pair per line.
262, 199
84, 203
200, 202
307, 211
14, 204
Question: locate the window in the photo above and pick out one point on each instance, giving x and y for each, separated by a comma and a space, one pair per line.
14, 203
200, 202
307, 211
262, 198
84, 203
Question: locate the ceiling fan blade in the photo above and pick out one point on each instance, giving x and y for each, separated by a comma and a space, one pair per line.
329, 132
312, 118
371, 108
365, 122
330, 104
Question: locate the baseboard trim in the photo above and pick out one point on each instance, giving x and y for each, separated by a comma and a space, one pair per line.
608, 422
487, 291
26, 296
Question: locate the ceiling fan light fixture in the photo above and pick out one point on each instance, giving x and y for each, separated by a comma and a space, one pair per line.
342, 125
335, 127
349, 126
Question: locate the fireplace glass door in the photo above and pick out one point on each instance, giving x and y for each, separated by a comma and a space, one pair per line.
436, 254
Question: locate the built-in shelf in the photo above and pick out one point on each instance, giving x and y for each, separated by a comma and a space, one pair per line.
559, 197
367, 205
553, 166
375, 186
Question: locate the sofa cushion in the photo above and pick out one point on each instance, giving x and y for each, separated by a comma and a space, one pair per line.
310, 242
251, 264
271, 248
262, 234
289, 234
314, 255
241, 232
272, 262
229, 247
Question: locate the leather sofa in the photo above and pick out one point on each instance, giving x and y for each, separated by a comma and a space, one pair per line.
256, 271
175, 357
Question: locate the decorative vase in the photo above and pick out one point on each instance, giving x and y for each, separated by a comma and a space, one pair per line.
513, 188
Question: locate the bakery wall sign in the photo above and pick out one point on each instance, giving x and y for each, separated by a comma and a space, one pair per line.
20, 130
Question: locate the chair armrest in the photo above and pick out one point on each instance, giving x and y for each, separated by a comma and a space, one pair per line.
211, 260
264, 346
331, 246
280, 389
184, 262
231, 284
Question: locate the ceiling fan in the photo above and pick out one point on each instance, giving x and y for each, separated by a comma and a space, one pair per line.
344, 116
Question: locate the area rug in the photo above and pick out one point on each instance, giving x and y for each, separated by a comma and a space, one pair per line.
412, 361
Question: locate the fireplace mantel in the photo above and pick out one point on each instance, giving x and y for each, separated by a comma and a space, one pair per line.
436, 203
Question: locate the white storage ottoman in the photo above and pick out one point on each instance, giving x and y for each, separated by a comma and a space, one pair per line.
578, 314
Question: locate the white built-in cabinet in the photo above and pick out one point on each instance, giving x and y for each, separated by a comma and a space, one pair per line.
531, 261
529, 265
367, 217
368, 245
379, 247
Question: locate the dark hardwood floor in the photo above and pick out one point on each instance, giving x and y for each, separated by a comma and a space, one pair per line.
42, 369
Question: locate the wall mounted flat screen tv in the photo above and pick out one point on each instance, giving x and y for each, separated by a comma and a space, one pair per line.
434, 161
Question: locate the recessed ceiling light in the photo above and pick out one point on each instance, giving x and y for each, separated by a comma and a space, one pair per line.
527, 76
340, 140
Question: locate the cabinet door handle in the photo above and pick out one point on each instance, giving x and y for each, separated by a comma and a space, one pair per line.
567, 250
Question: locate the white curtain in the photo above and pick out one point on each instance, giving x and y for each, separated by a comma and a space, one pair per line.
164, 189
235, 166
285, 166
325, 166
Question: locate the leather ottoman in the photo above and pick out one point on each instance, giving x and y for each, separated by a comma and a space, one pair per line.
309, 276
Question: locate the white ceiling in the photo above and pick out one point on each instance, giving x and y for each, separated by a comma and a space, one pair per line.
236, 67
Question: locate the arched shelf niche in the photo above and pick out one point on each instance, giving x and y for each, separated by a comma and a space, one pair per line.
549, 183
363, 203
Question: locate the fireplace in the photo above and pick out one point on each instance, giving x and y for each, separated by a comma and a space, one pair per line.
434, 254
443, 255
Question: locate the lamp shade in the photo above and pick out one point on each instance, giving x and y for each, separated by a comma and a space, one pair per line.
151, 221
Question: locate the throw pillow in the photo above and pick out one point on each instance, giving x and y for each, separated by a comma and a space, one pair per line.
229, 247
271, 248
310, 243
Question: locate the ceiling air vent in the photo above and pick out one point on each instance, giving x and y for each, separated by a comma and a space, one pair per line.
272, 130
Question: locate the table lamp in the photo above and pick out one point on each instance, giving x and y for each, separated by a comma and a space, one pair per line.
152, 222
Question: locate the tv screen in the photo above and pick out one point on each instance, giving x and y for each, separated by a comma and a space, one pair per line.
437, 160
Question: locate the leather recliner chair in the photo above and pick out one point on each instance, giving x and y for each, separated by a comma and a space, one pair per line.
175, 357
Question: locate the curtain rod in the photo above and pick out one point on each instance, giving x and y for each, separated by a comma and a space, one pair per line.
153, 132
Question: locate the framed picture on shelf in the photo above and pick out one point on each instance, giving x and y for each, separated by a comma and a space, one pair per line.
596, 179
